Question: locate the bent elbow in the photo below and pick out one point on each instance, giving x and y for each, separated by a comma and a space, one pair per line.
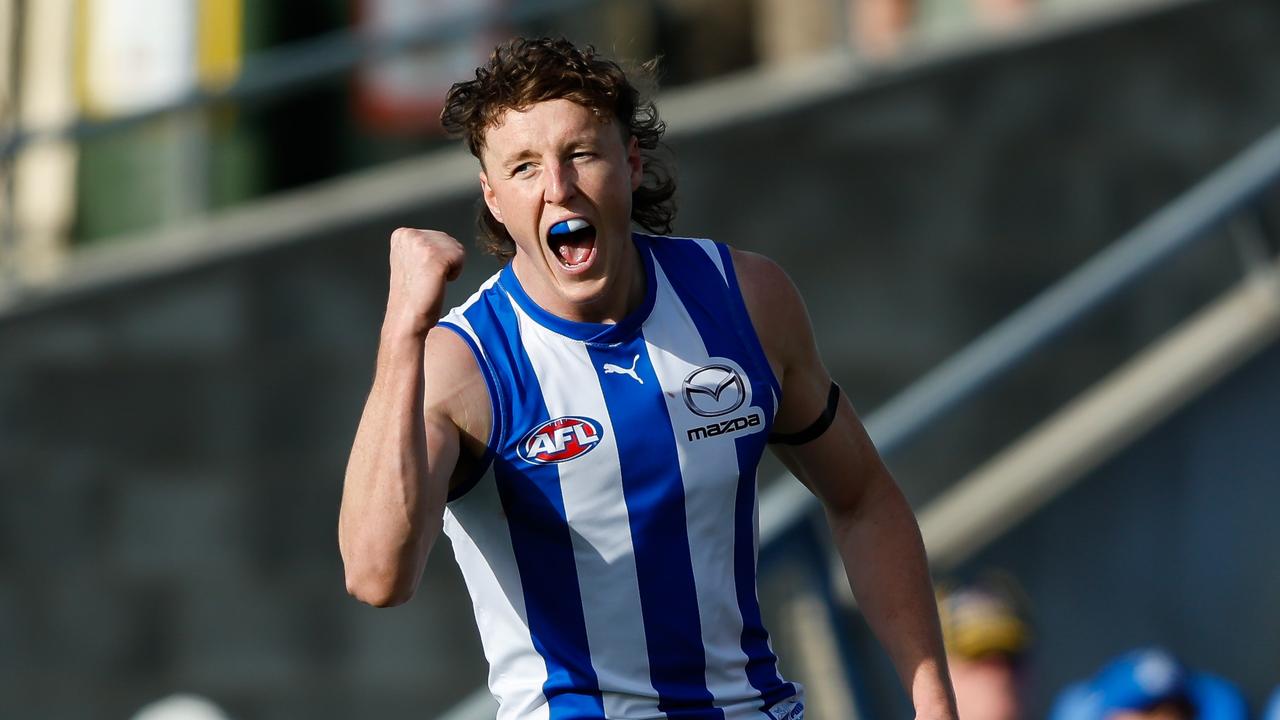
379, 573
378, 589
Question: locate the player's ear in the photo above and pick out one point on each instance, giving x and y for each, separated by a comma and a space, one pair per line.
635, 161
490, 200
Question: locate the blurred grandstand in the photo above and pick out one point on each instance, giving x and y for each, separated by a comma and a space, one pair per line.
196, 201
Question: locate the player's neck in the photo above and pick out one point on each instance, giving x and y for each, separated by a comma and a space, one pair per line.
606, 300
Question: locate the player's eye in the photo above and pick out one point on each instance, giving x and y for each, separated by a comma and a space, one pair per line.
522, 169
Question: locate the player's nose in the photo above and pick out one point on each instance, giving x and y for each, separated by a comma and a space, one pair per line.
562, 183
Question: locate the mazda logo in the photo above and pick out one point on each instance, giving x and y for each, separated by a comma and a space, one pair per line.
714, 390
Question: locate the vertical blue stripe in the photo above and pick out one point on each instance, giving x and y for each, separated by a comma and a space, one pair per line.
720, 315
742, 318
540, 536
653, 490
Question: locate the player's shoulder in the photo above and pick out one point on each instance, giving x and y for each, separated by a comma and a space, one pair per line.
752, 270
770, 295
757, 269
448, 361
447, 351
775, 307
454, 385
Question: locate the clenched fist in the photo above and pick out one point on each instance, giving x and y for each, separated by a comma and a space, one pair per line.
422, 262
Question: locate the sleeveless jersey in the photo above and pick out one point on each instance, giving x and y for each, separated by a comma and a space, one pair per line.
610, 546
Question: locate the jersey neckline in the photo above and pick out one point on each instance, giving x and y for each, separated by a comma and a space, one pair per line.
589, 331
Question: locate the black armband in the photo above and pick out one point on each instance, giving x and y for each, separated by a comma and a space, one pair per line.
817, 427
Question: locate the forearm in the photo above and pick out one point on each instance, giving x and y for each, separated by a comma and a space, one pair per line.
884, 557
383, 531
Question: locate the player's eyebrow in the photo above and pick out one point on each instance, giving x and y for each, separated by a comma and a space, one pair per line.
516, 159
574, 142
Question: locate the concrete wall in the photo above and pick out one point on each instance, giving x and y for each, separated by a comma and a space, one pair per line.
171, 452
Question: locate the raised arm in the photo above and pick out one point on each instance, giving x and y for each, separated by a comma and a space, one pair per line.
873, 527
408, 443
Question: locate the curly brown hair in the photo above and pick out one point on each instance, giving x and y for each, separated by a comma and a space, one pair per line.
521, 72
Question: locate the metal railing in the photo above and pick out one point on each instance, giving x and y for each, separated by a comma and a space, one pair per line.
1172, 230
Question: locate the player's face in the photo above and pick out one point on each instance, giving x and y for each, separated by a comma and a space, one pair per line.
552, 162
986, 688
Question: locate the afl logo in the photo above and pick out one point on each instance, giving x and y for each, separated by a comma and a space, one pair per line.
714, 390
559, 440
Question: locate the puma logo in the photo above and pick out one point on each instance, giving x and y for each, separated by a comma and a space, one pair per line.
611, 369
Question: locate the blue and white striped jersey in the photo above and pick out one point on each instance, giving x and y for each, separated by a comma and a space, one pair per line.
610, 553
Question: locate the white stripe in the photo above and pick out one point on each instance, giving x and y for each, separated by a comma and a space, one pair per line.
599, 525
497, 422
709, 469
713, 252
488, 563
486, 558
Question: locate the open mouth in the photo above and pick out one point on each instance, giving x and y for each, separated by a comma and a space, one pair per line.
572, 241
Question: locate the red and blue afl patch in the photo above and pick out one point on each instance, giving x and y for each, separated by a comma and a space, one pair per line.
561, 439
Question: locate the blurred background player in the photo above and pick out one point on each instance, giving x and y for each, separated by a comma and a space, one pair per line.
1150, 684
987, 637
1272, 710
